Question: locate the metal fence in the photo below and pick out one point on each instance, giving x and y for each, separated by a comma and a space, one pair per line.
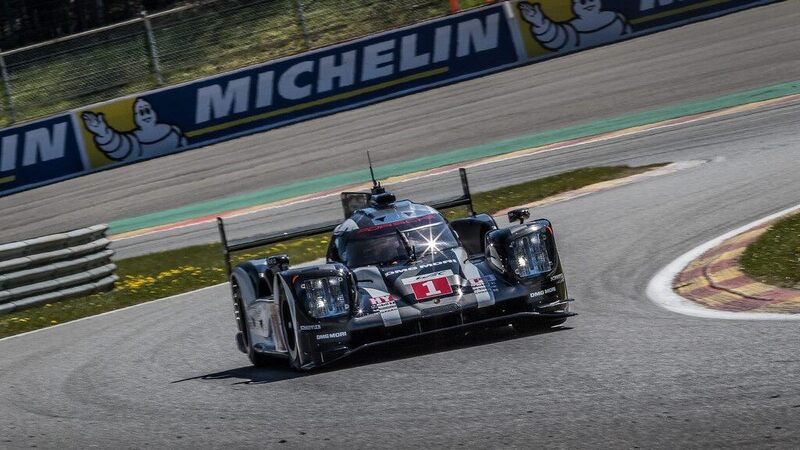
187, 43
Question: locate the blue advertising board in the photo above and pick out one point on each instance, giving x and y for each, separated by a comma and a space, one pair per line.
39, 152
331, 79
299, 87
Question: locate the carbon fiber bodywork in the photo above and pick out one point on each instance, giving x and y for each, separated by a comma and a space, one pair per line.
483, 276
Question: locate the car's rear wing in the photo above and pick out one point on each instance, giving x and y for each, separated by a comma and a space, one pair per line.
351, 201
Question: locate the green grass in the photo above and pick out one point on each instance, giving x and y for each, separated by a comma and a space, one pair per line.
160, 275
775, 257
532, 191
198, 42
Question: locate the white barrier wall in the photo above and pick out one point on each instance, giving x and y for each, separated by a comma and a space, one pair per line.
55, 267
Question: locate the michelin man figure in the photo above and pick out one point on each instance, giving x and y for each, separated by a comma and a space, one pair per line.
591, 26
149, 138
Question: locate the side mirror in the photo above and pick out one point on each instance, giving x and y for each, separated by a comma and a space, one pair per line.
278, 263
353, 201
519, 215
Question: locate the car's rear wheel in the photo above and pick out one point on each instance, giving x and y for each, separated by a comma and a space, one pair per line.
257, 359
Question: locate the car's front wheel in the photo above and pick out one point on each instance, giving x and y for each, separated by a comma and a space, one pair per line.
290, 336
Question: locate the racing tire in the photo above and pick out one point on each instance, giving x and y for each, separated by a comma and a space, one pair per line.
534, 325
256, 359
290, 336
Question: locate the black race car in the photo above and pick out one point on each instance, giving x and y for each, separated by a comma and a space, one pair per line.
395, 270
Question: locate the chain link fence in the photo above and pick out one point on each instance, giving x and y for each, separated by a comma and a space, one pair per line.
186, 43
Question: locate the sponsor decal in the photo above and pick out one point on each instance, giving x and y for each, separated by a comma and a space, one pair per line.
310, 327
327, 336
557, 278
478, 286
433, 287
427, 276
383, 303
549, 290
421, 266
426, 218
381, 300
484, 284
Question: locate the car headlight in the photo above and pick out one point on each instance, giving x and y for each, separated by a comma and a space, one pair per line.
325, 297
529, 256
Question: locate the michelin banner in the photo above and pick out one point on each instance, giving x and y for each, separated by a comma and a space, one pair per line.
551, 27
298, 88
39, 152
312, 84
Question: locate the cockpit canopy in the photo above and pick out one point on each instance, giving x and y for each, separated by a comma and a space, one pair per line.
397, 240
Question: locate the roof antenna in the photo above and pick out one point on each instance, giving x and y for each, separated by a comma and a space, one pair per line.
376, 185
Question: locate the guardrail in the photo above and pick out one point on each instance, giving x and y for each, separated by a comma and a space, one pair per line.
55, 267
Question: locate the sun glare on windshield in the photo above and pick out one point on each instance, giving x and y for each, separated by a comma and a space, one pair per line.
431, 242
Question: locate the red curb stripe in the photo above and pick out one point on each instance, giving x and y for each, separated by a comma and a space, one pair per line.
734, 283
689, 275
719, 266
744, 304
702, 292
783, 295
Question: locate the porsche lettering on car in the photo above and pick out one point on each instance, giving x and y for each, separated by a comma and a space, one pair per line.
395, 270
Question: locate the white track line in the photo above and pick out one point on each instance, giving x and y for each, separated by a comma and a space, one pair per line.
113, 311
659, 290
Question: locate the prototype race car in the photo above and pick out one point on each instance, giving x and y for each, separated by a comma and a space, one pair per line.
395, 270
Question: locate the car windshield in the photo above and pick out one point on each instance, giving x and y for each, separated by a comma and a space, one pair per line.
395, 242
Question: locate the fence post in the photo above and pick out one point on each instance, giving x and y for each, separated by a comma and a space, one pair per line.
153, 50
301, 17
7, 89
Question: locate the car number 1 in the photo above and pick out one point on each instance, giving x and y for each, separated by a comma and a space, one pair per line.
436, 287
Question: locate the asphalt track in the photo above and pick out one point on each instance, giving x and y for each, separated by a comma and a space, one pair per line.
623, 374
742, 51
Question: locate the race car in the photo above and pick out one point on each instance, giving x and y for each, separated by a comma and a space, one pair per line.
395, 270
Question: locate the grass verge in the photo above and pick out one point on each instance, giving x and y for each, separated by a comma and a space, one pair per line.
775, 257
160, 275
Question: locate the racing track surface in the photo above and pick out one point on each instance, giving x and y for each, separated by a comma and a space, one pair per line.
746, 50
623, 374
